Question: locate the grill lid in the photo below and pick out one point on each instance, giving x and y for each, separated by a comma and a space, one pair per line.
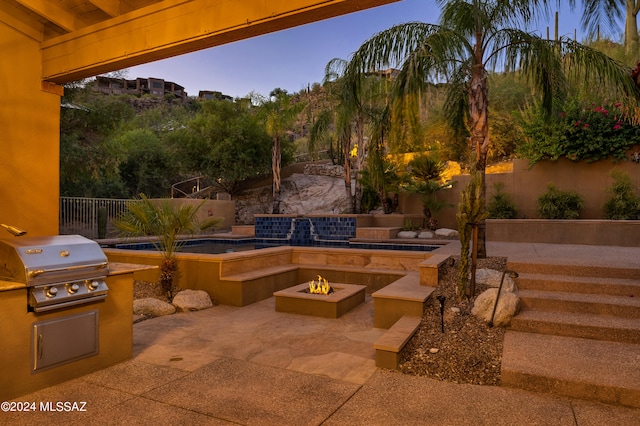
43, 260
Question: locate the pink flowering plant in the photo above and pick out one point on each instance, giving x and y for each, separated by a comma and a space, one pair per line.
579, 133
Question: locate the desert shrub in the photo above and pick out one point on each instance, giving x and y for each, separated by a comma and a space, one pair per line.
557, 204
408, 225
624, 203
500, 205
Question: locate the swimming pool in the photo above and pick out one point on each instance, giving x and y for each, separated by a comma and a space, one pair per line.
224, 245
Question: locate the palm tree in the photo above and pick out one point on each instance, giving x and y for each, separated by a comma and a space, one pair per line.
473, 38
349, 115
425, 179
610, 12
279, 116
167, 223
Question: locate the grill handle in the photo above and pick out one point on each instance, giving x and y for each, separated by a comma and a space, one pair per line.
37, 272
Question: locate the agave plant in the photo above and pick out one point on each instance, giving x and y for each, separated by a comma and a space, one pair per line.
167, 223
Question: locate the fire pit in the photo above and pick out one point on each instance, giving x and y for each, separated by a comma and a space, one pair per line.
320, 298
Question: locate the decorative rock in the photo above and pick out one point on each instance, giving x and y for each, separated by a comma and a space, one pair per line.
407, 234
508, 306
434, 350
491, 278
152, 307
192, 300
445, 232
304, 194
426, 235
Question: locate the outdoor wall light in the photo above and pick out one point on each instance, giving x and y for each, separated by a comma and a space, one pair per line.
16, 232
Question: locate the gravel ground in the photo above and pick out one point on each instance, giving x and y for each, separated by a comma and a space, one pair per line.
143, 289
469, 351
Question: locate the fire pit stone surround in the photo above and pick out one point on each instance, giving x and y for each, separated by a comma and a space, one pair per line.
297, 300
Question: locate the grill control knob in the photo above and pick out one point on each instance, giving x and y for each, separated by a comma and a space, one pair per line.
73, 288
93, 285
51, 292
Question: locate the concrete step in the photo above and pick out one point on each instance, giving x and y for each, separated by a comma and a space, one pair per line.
574, 284
599, 327
579, 368
574, 270
626, 307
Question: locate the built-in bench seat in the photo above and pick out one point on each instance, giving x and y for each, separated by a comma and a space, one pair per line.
430, 269
404, 296
390, 344
261, 273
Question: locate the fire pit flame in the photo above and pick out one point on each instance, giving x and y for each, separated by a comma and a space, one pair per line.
321, 287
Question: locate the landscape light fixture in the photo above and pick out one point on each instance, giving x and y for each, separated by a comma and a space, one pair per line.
441, 299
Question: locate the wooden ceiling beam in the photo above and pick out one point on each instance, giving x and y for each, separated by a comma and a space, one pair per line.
171, 28
18, 21
52, 12
112, 8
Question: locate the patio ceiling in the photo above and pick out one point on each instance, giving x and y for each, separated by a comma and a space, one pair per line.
82, 38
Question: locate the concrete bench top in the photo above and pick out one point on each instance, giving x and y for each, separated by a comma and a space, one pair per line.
260, 273
405, 288
398, 335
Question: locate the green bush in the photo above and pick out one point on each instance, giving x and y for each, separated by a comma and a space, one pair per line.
556, 204
579, 133
408, 225
624, 203
500, 205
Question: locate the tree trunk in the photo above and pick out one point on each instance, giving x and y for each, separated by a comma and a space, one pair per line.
479, 139
167, 272
631, 28
357, 201
276, 160
346, 143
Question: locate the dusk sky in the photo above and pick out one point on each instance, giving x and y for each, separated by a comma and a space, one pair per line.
293, 58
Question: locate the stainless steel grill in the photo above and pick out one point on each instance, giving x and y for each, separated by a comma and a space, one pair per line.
59, 271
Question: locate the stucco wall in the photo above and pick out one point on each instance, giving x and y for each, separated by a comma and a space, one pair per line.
30, 141
525, 185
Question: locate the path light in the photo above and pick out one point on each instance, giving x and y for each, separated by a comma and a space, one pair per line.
512, 274
441, 299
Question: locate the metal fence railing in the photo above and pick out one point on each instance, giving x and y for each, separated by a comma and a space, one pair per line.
80, 215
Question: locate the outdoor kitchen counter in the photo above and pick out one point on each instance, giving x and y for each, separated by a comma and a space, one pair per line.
11, 285
117, 268
113, 331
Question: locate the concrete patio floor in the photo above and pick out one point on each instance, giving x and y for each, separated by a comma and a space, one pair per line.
254, 366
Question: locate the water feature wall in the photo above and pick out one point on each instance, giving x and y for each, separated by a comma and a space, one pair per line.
303, 230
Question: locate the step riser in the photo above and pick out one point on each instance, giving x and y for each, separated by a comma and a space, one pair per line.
580, 307
573, 330
590, 391
575, 270
578, 287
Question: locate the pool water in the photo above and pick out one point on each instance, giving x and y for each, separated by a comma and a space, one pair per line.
219, 245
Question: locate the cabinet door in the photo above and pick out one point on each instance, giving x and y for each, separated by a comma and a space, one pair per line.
62, 340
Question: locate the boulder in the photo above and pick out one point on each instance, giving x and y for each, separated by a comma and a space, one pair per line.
491, 278
192, 300
446, 232
306, 194
407, 234
426, 235
152, 307
508, 306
